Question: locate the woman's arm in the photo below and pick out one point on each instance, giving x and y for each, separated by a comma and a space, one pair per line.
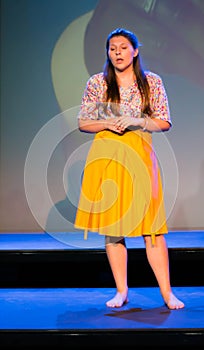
155, 124
146, 124
96, 125
92, 125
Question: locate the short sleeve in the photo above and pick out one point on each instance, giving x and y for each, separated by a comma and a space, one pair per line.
159, 100
92, 95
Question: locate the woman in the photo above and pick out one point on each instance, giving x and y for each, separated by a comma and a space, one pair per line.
121, 194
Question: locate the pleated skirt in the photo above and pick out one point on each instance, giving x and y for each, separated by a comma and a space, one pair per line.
121, 191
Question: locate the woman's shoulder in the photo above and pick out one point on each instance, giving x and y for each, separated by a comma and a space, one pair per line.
153, 78
97, 78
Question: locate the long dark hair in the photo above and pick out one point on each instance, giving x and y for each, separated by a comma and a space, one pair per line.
112, 93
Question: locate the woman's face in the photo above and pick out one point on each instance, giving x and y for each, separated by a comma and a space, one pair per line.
121, 52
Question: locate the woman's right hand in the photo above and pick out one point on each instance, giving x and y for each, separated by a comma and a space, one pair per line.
111, 125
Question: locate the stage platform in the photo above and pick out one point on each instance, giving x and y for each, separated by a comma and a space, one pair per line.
53, 289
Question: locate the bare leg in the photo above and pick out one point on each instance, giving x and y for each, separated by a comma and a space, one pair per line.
158, 258
117, 257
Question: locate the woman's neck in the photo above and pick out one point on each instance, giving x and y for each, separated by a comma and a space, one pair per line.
125, 79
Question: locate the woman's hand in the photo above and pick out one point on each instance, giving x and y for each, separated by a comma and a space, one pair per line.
113, 126
123, 122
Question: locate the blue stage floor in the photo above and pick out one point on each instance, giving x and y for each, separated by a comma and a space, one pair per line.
84, 308
36, 311
75, 240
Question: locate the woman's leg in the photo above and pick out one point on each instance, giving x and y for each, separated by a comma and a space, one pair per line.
158, 259
117, 256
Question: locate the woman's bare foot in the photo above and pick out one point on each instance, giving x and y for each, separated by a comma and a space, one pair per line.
119, 300
172, 302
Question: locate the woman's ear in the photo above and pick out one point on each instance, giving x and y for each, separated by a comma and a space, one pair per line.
136, 52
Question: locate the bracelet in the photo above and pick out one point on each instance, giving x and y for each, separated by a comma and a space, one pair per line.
145, 126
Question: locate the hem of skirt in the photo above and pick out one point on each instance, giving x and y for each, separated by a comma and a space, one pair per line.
153, 235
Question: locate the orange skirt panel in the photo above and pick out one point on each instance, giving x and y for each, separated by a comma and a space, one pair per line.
121, 191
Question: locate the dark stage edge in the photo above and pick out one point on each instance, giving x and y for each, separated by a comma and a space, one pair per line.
40, 259
130, 339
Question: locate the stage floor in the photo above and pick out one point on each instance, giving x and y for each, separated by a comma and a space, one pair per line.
68, 317
84, 308
75, 241
79, 314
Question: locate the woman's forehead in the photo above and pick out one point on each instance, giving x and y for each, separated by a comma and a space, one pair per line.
118, 40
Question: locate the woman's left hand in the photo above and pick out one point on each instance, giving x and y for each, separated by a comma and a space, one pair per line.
124, 122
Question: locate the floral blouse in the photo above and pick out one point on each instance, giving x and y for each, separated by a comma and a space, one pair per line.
92, 106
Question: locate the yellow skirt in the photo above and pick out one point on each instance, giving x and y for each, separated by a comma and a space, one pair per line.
121, 191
